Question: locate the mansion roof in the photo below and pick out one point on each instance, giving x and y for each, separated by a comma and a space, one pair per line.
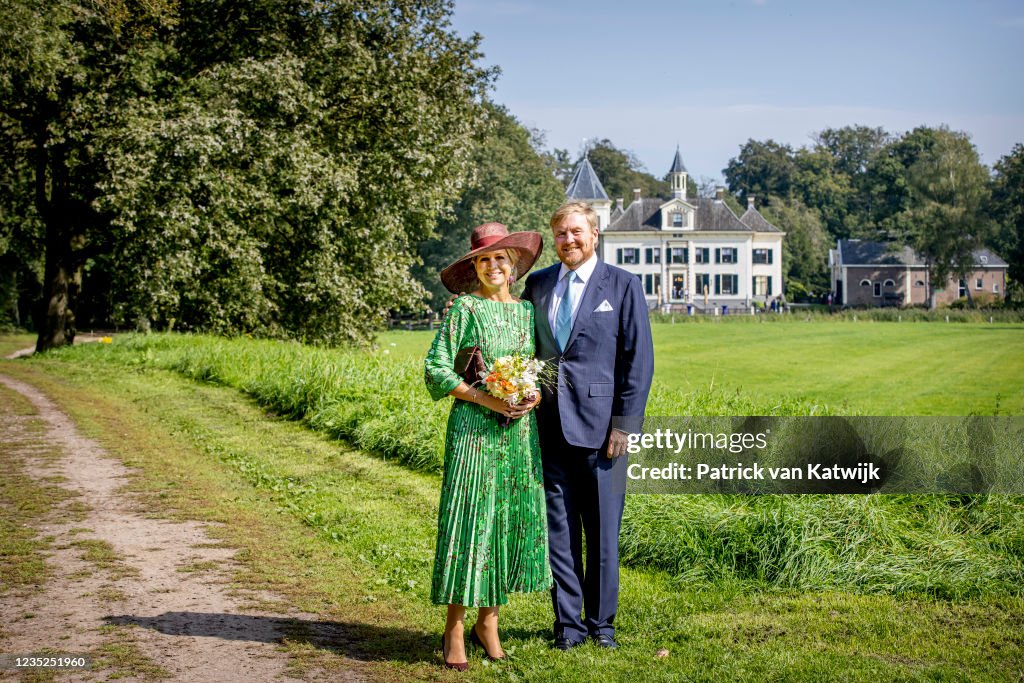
712, 215
854, 252
585, 184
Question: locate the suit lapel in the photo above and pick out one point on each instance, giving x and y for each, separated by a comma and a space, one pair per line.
546, 290
591, 299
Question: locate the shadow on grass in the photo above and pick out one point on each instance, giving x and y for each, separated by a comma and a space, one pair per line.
354, 640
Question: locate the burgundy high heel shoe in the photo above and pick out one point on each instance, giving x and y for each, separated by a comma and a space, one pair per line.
475, 639
458, 666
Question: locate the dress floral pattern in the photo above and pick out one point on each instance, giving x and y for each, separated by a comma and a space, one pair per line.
492, 525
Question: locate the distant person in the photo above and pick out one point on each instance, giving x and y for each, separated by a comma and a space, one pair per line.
592, 323
491, 531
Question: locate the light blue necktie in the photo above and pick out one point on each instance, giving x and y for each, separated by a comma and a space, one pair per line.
563, 319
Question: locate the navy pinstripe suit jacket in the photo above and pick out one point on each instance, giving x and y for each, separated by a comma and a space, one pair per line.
606, 368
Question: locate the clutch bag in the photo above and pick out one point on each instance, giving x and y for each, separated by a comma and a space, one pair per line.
469, 363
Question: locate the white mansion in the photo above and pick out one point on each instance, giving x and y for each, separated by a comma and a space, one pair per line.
686, 250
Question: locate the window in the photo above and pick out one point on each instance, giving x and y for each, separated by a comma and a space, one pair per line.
979, 283
995, 287
962, 291
762, 256
627, 255
678, 219
725, 255
652, 283
919, 283
762, 285
726, 284
703, 281
652, 254
865, 283
890, 283
878, 289
702, 255
677, 255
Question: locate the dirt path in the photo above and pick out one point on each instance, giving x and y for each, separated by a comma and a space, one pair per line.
160, 601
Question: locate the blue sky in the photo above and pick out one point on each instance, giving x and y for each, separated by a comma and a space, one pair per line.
710, 74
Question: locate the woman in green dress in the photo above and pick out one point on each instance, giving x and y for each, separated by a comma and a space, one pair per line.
492, 528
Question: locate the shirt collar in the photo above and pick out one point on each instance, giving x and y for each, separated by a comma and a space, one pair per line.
584, 271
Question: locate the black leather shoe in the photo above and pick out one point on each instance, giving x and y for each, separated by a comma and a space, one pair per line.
564, 644
605, 641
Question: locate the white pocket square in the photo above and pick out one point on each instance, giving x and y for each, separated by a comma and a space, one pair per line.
605, 306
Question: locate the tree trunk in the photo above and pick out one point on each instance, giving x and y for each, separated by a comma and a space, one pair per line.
931, 288
55, 317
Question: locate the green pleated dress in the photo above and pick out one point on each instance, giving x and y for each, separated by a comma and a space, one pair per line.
492, 524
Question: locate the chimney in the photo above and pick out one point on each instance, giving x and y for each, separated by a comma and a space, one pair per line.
636, 194
750, 202
618, 203
719, 194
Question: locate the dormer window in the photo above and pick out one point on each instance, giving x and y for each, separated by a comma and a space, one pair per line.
678, 219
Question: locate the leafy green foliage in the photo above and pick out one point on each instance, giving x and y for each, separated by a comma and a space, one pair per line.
241, 166
950, 189
764, 169
621, 172
512, 184
805, 247
1008, 210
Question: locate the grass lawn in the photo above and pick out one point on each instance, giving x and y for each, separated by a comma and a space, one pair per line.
875, 368
9, 343
347, 536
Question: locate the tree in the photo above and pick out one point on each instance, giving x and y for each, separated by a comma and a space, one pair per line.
240, 166
885, 193
1008, 211
764, 169
621, 172
819, 184
851, 147
21, 236
559, 164
949, 190
60, 64
804, 248
512, 184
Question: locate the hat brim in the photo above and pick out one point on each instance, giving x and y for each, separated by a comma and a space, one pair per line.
460, 277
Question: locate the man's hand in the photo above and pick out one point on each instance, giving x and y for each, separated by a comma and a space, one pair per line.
448, 305
617, 442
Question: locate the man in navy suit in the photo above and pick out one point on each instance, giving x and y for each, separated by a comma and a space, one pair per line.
591, 321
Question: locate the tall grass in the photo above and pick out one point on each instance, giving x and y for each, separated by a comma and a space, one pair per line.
943, 546
820, 313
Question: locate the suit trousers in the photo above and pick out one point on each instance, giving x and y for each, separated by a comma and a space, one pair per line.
585, 492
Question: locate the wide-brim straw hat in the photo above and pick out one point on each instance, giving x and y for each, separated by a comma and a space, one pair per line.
461, 277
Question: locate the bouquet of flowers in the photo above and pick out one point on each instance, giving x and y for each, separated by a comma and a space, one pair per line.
514, 379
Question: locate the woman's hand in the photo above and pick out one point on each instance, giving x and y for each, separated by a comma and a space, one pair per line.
499, 406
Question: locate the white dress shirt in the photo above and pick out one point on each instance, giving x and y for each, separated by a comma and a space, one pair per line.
583, 274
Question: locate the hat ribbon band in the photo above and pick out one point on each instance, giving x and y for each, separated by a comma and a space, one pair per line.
487, 241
